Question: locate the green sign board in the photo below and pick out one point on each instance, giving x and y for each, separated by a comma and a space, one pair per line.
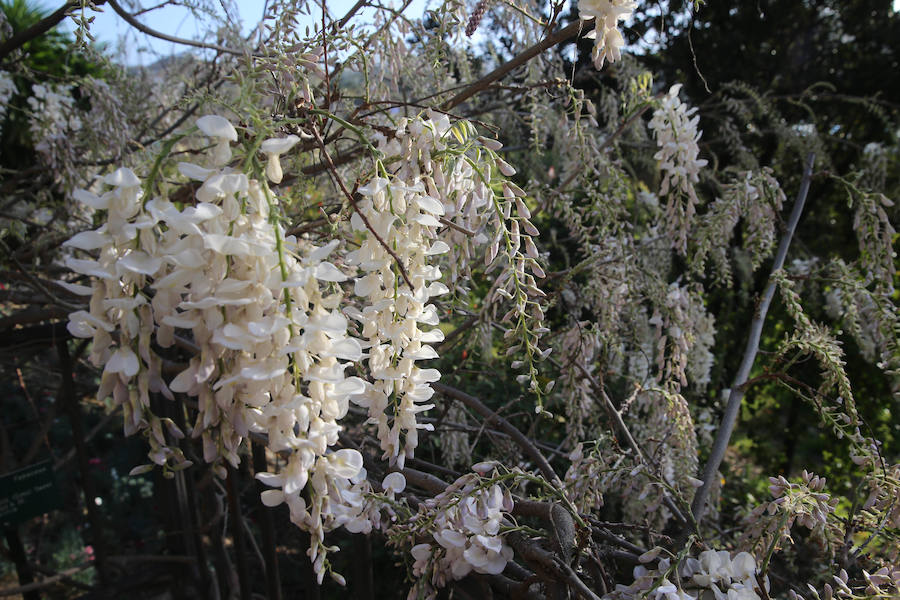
27, 493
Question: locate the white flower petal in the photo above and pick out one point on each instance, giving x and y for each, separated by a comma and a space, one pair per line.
196, 172
123, 361
78, 290
429, 204
279, 145
88, 240
320, 254
438, 247
217, 127
394, 482
122, 177
89, 267
272, 497
328, 272
347, 349
139, 262
91, 199
345, 463
270, 479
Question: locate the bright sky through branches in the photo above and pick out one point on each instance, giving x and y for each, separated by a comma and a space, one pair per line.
135, 48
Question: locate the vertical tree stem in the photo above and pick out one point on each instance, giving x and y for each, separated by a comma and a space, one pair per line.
267, 524
23, 569
67, 392
220, 555
364, 580
237, 531
193, 519
732, 408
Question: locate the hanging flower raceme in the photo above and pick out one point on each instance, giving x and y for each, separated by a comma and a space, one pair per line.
403, 217
675, 128
608, 40
438, 176
261, 315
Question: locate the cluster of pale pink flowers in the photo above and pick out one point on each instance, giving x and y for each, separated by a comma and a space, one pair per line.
259, 311
464, 524
675, 126
883, 583
608, 40
713, 575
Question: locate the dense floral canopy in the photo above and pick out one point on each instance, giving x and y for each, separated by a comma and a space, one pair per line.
441, 282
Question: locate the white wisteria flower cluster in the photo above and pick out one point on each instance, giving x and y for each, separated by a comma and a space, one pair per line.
431, 196
403, 216
608, 40
266, 320
260, 312
464, 524
674, 124
713, 575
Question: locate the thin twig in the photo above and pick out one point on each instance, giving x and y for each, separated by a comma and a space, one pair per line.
45, 583
517, 436
458, 228
340, 182
723, 434
353, 10
626, 433
426, 481
560, 36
